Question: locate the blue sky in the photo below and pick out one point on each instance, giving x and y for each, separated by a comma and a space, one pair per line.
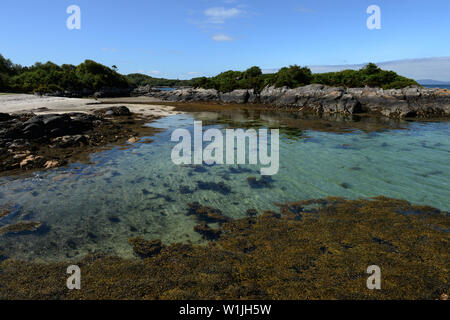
184, 39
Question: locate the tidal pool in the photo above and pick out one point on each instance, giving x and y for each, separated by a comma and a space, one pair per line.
138, 191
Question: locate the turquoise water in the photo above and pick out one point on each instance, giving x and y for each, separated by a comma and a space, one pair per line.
140, 192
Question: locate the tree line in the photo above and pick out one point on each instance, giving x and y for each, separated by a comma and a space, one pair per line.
49, 77
294, 76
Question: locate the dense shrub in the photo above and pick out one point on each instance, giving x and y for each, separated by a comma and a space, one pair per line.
49, 77
252, 78
294, 76
371, 75
139, 79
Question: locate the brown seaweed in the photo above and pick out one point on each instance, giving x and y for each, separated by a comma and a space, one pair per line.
324, 255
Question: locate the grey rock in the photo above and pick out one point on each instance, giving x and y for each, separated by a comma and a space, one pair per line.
236, 96
4, 117
70, 141
117, 111
394, 103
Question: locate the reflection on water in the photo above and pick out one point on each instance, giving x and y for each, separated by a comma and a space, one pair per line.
140, 192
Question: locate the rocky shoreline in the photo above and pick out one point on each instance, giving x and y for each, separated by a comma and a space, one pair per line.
411, 102
34, 142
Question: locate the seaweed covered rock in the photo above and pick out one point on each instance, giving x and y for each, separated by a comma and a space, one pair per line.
206, 214
144, 248
70, 141
263, 182
4, 212
30, 142
219, 187
207, 232
23, 226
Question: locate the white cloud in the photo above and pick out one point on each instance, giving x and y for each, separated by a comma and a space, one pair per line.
222, 37
220, 14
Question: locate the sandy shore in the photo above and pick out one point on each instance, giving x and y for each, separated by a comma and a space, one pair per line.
18, 103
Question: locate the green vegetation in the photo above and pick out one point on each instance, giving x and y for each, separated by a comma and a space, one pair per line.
49, 77
92, 76
139, 79
295, 76
371, 75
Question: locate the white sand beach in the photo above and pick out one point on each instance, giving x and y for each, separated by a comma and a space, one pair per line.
17, 103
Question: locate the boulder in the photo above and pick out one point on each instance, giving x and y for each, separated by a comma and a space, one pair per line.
33, 130
4, 117
117, 111
236, 96
70, 141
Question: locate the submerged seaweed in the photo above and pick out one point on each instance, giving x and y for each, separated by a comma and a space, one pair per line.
264, 182
207, 232
273, 256
20, 227
219, 187
206, 214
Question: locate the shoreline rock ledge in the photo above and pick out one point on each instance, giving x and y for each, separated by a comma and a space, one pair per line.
394, 103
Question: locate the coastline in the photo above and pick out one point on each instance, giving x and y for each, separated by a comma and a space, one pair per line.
413, 102
39, 154
336, 245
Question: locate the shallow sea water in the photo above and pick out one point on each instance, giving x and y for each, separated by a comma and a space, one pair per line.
95, 208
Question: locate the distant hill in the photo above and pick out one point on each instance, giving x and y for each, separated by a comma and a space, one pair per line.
139, 79
433, 82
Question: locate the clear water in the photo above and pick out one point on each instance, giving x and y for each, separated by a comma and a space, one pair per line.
140, 192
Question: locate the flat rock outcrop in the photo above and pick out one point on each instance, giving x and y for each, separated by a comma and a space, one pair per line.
33, 142
394, 103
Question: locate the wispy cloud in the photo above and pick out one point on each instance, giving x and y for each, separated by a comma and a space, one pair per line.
109, 49
304, 10
222, 37
221, 14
